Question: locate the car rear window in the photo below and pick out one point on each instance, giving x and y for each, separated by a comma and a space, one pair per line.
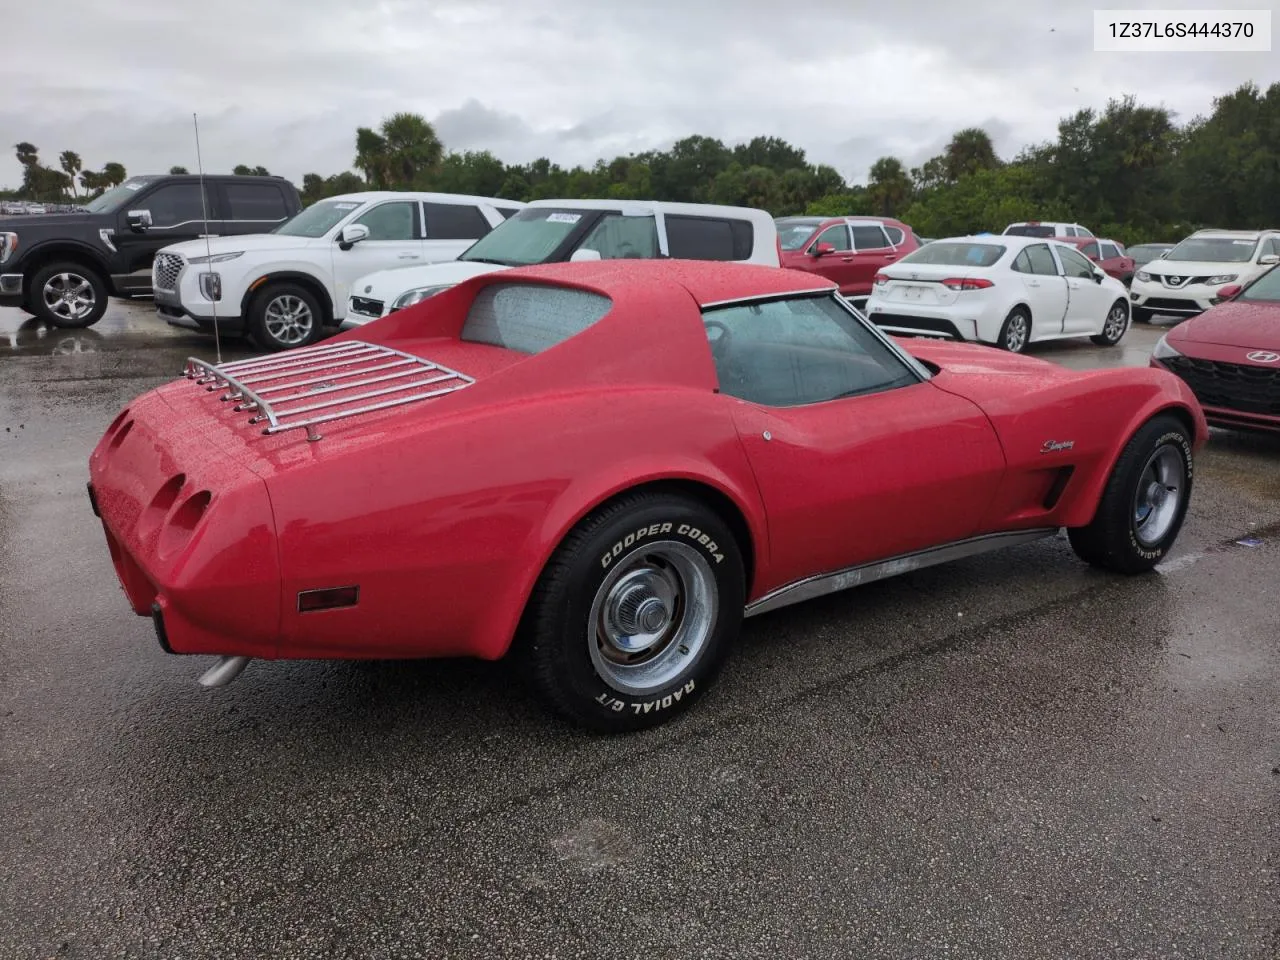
956, 254
531, 317
1026, 230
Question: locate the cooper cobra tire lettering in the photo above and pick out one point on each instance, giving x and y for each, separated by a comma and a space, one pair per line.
692, 533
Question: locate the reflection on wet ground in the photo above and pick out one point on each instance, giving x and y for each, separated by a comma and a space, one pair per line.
1011, 757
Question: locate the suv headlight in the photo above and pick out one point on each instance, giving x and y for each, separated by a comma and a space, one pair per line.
1224, 278
1162, 349
418, 295
1144, 276
217, 257
8, 244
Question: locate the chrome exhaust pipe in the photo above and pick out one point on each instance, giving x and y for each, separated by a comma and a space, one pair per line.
224, 671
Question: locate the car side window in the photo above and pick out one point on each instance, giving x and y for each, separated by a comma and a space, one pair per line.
1089, 249
837, 236
389, 221
618, 237
1021, 263
1109, 252
175, 204
708, 238
895, 235
1040, 260
1074, 265
1069, 231
1271, 247
798, 351
256, 201
455, 221
1083, 232
869, 237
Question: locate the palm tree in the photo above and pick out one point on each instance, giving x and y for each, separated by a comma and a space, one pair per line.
114, 173
27, 154
404, 147
970, 150
70, 163
178, 170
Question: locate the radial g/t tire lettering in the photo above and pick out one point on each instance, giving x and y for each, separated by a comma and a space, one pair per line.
634, 614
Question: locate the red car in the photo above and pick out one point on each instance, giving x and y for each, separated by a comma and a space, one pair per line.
1107, 254
848, 251
1230, 355
602, 468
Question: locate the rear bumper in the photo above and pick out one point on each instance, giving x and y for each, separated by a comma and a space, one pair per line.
190, 532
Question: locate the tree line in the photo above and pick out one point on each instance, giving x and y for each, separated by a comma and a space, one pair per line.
1129, 172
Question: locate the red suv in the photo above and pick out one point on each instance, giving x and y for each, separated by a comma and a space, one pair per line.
1107, 254
847, 250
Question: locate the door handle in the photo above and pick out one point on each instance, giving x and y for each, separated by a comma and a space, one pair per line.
408, 256
846, 259
892, 256
204, 235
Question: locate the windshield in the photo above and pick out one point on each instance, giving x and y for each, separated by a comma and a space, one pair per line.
1026, 230
537, 234
794, 234
956, 254
1213, 250
116, 196
318, 219
1266, 287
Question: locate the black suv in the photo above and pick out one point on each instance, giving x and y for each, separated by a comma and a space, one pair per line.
62, 267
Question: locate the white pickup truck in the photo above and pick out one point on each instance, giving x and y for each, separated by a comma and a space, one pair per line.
282, 288
549, 231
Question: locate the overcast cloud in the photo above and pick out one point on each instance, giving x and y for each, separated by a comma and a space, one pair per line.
284, 83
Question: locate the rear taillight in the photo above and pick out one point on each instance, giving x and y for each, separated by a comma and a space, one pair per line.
967, 283
881, 279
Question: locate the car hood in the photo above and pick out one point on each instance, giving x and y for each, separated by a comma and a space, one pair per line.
41, 220
387, 285
1233, 324
245, 243
1195, 268
973, 359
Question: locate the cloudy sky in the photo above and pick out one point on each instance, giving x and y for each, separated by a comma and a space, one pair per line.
284, 83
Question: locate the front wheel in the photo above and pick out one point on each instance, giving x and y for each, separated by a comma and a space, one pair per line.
635, 613
283, 316
1114, 327
67, 295
1144, 502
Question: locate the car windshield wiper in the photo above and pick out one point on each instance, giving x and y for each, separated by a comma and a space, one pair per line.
501, 263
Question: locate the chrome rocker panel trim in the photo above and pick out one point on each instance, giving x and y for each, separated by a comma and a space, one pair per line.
824, 583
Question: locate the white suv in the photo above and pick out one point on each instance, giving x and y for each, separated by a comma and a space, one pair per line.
1186, 280
1046, 228
282, 288
548, 231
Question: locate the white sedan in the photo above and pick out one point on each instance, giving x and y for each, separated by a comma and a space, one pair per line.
1002, 290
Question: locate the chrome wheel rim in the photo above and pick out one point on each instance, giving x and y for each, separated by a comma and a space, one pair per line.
1016, 338
1158, 499
1117, 319
69, 296
289, 319
652, 617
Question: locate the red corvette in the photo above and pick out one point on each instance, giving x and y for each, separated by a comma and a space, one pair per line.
1230, 355
602, 467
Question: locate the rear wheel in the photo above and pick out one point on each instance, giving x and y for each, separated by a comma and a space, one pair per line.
1016, 331
1144, 502
67, 295
635, 613
1113, 329
283, 316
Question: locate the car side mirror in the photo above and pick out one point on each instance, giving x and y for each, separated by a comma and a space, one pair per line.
584, 254
1099, 276
138, 220
1269, 258
1230, 291
823, 249
352, 234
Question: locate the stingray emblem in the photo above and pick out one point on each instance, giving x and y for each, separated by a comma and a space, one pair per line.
1053, 446
1263, 356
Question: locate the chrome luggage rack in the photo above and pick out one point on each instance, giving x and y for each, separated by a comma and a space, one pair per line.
348, 374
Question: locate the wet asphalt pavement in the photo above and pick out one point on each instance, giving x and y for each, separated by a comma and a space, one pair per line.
1011, 756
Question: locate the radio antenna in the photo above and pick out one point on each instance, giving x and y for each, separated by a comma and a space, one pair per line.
208, 248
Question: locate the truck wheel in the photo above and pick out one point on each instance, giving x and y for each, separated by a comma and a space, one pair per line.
635, 613
67, 294
1144, 502
1113, 329
283, 316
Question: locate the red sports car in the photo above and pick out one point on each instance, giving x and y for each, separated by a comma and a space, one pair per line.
1230, 355
601, 468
